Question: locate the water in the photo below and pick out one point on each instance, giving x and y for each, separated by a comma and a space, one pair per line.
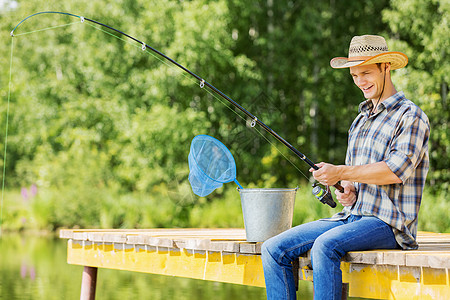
35, 268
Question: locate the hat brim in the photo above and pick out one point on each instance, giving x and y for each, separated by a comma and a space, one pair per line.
396, 59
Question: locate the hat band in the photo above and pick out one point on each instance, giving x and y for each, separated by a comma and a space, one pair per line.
359, 58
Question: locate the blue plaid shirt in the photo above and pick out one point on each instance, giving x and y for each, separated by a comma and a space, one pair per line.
398, 135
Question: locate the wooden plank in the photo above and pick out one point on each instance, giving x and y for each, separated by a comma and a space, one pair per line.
81, 236
95, 236
115, 237
66, 234
222, 246
194, 244
224, 255
427, 234
160, 242
439, 261
231, 233
151, 230
417, 259
428, 259
251, 248
137, 239
394, 257
434, 247
431, 252
366, 257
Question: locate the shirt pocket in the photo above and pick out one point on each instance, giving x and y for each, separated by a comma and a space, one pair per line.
380, 141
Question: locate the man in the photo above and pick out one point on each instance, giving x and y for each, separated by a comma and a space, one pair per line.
383, 179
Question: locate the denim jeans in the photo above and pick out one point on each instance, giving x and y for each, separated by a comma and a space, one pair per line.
329, 241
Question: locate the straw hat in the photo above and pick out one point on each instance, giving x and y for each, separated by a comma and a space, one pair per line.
369, 49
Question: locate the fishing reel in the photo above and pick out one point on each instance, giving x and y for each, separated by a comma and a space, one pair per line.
323, 196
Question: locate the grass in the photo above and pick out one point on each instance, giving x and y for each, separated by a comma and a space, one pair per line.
90, 207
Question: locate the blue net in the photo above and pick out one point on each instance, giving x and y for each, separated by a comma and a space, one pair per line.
210, 165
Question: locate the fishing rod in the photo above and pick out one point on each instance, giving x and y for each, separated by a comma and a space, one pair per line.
324, 196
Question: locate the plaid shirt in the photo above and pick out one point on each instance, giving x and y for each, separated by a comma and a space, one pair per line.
398, 135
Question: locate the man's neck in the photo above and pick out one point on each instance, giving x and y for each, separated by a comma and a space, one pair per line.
389, 90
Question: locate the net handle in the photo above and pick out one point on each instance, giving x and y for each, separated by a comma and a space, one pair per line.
238, 184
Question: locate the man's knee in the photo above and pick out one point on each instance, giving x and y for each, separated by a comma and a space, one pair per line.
272, 250
267, 249
325, 246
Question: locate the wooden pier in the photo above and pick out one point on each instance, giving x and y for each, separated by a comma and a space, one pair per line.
223, 255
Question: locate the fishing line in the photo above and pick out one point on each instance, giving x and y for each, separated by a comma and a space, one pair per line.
48, 28
6, 135
171, 66
259, 132
9, 100
254, 119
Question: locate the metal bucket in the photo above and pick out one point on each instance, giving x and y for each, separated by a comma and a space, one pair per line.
267, 212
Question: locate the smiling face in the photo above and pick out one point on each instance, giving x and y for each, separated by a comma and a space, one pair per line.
370, 78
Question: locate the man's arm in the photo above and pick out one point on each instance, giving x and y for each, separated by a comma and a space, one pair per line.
377, 173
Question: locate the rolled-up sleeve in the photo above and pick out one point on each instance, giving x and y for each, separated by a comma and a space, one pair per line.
408, 145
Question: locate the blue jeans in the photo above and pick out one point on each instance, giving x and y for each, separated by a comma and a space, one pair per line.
329, 241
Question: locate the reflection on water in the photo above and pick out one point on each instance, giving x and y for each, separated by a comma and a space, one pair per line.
35, 268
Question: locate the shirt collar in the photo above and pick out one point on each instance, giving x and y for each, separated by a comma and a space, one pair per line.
388, 104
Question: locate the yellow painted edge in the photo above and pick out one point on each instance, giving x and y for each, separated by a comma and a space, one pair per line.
393, 282
370, 281
205, 265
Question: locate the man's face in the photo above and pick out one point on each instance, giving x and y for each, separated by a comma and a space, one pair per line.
369, 79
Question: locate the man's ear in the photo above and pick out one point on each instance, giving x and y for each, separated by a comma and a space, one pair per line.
387, 67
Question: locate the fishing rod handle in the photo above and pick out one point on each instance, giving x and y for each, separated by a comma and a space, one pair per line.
338, 186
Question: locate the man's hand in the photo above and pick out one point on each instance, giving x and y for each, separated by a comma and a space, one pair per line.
375, 173
348, 197
328, 174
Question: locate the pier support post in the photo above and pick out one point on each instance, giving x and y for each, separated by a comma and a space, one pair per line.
345, 289
88, 283
295, 268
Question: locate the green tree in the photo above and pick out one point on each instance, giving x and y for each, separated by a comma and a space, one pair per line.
90, 111
420, 28
299, 95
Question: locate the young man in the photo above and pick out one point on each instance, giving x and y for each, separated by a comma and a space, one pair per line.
383, 179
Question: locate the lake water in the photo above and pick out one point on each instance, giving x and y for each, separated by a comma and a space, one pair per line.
35, 268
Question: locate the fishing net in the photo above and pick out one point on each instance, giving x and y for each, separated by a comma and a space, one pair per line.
210, 165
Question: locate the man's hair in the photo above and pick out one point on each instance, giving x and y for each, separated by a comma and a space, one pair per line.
379, 66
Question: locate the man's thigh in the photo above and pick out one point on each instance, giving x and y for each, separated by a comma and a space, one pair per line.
364, 234
291, 243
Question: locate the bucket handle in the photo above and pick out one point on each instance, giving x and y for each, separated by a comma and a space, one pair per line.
241, 188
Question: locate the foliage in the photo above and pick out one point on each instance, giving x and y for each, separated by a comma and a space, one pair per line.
433, 215
101, 208
111, 108
421, 29
103, 128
